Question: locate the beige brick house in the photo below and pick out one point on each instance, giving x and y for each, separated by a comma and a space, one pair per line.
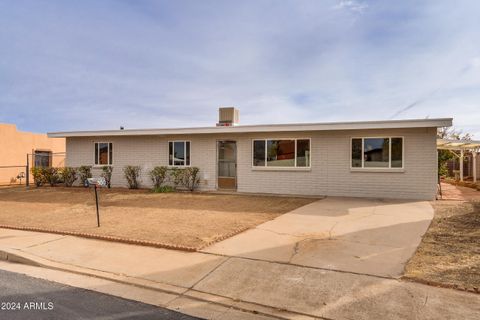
384, 159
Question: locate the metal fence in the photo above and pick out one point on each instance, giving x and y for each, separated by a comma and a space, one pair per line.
21, 174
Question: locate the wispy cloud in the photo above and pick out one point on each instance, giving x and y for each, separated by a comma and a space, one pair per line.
91, 64
352, 5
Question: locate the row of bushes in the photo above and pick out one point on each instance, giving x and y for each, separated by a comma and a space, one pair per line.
163, 178
67, 175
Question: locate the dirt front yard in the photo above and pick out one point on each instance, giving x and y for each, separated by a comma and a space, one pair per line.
450, 250
179, 219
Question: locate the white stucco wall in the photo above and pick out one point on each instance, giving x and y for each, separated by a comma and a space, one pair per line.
330, 172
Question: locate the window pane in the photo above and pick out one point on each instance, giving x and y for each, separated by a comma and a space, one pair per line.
356, 153
170, 153
96, 153
179, 153
397, 152
110, 153
281, 153
187, 152
375, 152
43, 159
259, 153
103, 153
303, 153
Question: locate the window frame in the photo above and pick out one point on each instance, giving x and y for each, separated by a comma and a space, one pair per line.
295, 167
96, 144
173, 165
389, 168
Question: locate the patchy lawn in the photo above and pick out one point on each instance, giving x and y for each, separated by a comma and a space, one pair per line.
450, 250
181, 219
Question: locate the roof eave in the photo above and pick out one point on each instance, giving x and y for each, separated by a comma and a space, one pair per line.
390, 124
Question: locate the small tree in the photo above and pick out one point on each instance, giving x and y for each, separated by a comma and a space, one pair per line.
132, 174
38, 177
158, 176
51, 175
85, 172
69, 175
107, 175
191, 178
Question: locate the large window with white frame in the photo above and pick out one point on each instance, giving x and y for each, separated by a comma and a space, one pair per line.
377, 152
281, 153
179, 153
103, 153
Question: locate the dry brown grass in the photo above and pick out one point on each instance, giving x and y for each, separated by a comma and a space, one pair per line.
185, 219
450, 250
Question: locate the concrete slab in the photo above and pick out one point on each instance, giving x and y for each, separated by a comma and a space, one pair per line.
18, 240
371, 236
335, 295
177, 268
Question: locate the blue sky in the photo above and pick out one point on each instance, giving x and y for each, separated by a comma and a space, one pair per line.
70, 65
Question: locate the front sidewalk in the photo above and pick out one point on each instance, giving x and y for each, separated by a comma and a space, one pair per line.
263, 287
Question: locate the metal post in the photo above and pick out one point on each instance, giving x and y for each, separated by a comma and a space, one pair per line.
96, 202
474, 155
27, 173
461, 165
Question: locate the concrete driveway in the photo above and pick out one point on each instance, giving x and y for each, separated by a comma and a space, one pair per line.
366, 236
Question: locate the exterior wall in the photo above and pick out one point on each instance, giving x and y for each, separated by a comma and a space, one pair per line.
15, 145
330, 172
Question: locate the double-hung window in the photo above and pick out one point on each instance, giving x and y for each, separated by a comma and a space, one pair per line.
281, 153
179, 153
383, 152
103, 153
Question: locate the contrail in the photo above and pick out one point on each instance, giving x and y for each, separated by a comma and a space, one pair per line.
460, 72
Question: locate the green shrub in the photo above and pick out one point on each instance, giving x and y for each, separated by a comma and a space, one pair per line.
175, 176
163, 189
158, 176
68, 175
85, 172
107, 175
38, 176
132, 174
191, 178
51, 176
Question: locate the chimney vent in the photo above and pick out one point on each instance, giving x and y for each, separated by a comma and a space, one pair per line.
227, 117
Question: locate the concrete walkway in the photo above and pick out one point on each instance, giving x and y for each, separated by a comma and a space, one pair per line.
301, 265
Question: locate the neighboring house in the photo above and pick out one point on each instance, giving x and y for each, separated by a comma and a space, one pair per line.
15, 145
384, 159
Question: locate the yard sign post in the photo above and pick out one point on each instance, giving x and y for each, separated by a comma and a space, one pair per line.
100, 182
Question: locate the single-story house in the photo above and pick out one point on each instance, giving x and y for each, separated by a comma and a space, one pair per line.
382, 159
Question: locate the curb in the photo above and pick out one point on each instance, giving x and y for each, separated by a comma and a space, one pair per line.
128, 240
442, 285
18, 256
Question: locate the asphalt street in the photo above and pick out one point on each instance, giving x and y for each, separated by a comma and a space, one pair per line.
24, 298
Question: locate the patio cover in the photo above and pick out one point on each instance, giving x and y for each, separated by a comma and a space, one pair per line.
462, 146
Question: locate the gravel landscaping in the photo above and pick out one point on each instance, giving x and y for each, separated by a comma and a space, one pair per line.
176, 219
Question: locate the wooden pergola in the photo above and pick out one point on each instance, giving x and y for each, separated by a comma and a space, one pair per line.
459, 148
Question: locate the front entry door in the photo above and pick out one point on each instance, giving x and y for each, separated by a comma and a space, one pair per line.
227, 165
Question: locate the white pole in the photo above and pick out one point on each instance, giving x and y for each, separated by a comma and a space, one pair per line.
461, 165
474, 154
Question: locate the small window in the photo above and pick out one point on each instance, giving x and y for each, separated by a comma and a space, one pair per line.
179, 153
377, 152
287, 153
103, 153
43, 159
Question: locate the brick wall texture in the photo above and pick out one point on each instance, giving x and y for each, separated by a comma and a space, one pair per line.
330, 173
